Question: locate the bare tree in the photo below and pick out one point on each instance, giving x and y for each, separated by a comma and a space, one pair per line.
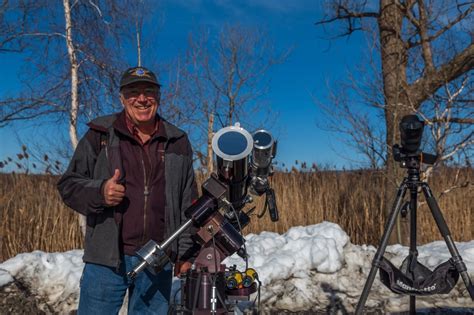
74, 67
425, 49
354, 112
12, 29
222, 80
448, 115
71, 63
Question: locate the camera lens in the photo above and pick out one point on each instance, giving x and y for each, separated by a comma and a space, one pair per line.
411, 132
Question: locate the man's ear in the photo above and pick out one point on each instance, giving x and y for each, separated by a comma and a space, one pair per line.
122, 100
158, 95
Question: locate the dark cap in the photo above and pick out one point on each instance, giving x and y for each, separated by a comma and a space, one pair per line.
138, 74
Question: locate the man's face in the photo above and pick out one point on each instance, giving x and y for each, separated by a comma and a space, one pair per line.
141, 100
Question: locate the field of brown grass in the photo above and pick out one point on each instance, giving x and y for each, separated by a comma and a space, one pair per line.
33, 216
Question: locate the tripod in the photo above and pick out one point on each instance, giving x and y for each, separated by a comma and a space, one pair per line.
412, 182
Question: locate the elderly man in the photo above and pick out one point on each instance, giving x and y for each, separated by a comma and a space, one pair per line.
132, 177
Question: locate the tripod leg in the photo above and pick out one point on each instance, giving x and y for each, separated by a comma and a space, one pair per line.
413, 251
381, 250
443, 228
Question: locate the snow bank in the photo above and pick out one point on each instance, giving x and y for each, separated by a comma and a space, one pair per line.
307, 268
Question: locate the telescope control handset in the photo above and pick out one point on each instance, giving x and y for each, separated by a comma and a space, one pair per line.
243, 161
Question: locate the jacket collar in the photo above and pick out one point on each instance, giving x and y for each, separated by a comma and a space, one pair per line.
104, 123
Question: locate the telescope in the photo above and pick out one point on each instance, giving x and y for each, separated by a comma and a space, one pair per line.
232, 146
243, 164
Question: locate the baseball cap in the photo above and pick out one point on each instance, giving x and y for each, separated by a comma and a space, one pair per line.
138, 74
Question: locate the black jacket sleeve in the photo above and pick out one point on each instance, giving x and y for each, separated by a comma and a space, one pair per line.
77, 187
188, 249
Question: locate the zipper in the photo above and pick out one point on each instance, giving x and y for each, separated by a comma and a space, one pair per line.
145, 195
146, 191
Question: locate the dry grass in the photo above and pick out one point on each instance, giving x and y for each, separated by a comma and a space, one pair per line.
354, 200
34, 217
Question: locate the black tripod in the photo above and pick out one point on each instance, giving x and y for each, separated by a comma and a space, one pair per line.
412, 182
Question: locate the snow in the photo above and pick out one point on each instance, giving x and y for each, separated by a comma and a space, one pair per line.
53, 277
307, 268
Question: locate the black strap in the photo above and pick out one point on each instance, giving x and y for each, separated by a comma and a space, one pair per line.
97, 139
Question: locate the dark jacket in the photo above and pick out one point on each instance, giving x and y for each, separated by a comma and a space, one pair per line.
95, 159
142, 210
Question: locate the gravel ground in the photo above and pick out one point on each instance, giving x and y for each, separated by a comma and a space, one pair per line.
15, 299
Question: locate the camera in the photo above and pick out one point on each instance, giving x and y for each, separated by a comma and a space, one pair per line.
409, 153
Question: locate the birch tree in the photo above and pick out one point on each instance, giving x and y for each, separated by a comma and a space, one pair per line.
71, 63
74, 66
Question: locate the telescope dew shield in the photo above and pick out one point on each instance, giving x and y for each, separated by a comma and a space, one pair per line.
263, 150
232, 146
411, 132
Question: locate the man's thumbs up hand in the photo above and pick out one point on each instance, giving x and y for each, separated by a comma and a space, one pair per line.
113, 192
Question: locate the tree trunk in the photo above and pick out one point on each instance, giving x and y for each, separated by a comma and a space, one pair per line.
210, 127
74, 90
394, 64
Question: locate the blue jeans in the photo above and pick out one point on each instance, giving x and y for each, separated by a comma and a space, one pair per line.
103, 289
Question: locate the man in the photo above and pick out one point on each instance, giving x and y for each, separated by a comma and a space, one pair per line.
132, 177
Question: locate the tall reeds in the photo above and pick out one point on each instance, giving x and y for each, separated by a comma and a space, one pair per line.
355, 201
34, 217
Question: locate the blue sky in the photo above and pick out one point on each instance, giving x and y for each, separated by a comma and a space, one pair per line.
313, 62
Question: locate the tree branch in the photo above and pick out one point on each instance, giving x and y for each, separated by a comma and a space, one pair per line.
456, 120
429, 83
344, 13
425, 43
440, 32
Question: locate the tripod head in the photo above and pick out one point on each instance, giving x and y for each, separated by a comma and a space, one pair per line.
412, 160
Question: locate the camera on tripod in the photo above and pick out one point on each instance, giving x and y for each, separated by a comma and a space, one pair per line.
409, 154
413, 278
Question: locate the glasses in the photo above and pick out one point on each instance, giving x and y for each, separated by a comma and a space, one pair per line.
135, 92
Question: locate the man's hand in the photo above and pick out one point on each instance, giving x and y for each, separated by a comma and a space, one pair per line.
113, 192
181, 267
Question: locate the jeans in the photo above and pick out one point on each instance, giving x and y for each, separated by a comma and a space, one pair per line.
103, 289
